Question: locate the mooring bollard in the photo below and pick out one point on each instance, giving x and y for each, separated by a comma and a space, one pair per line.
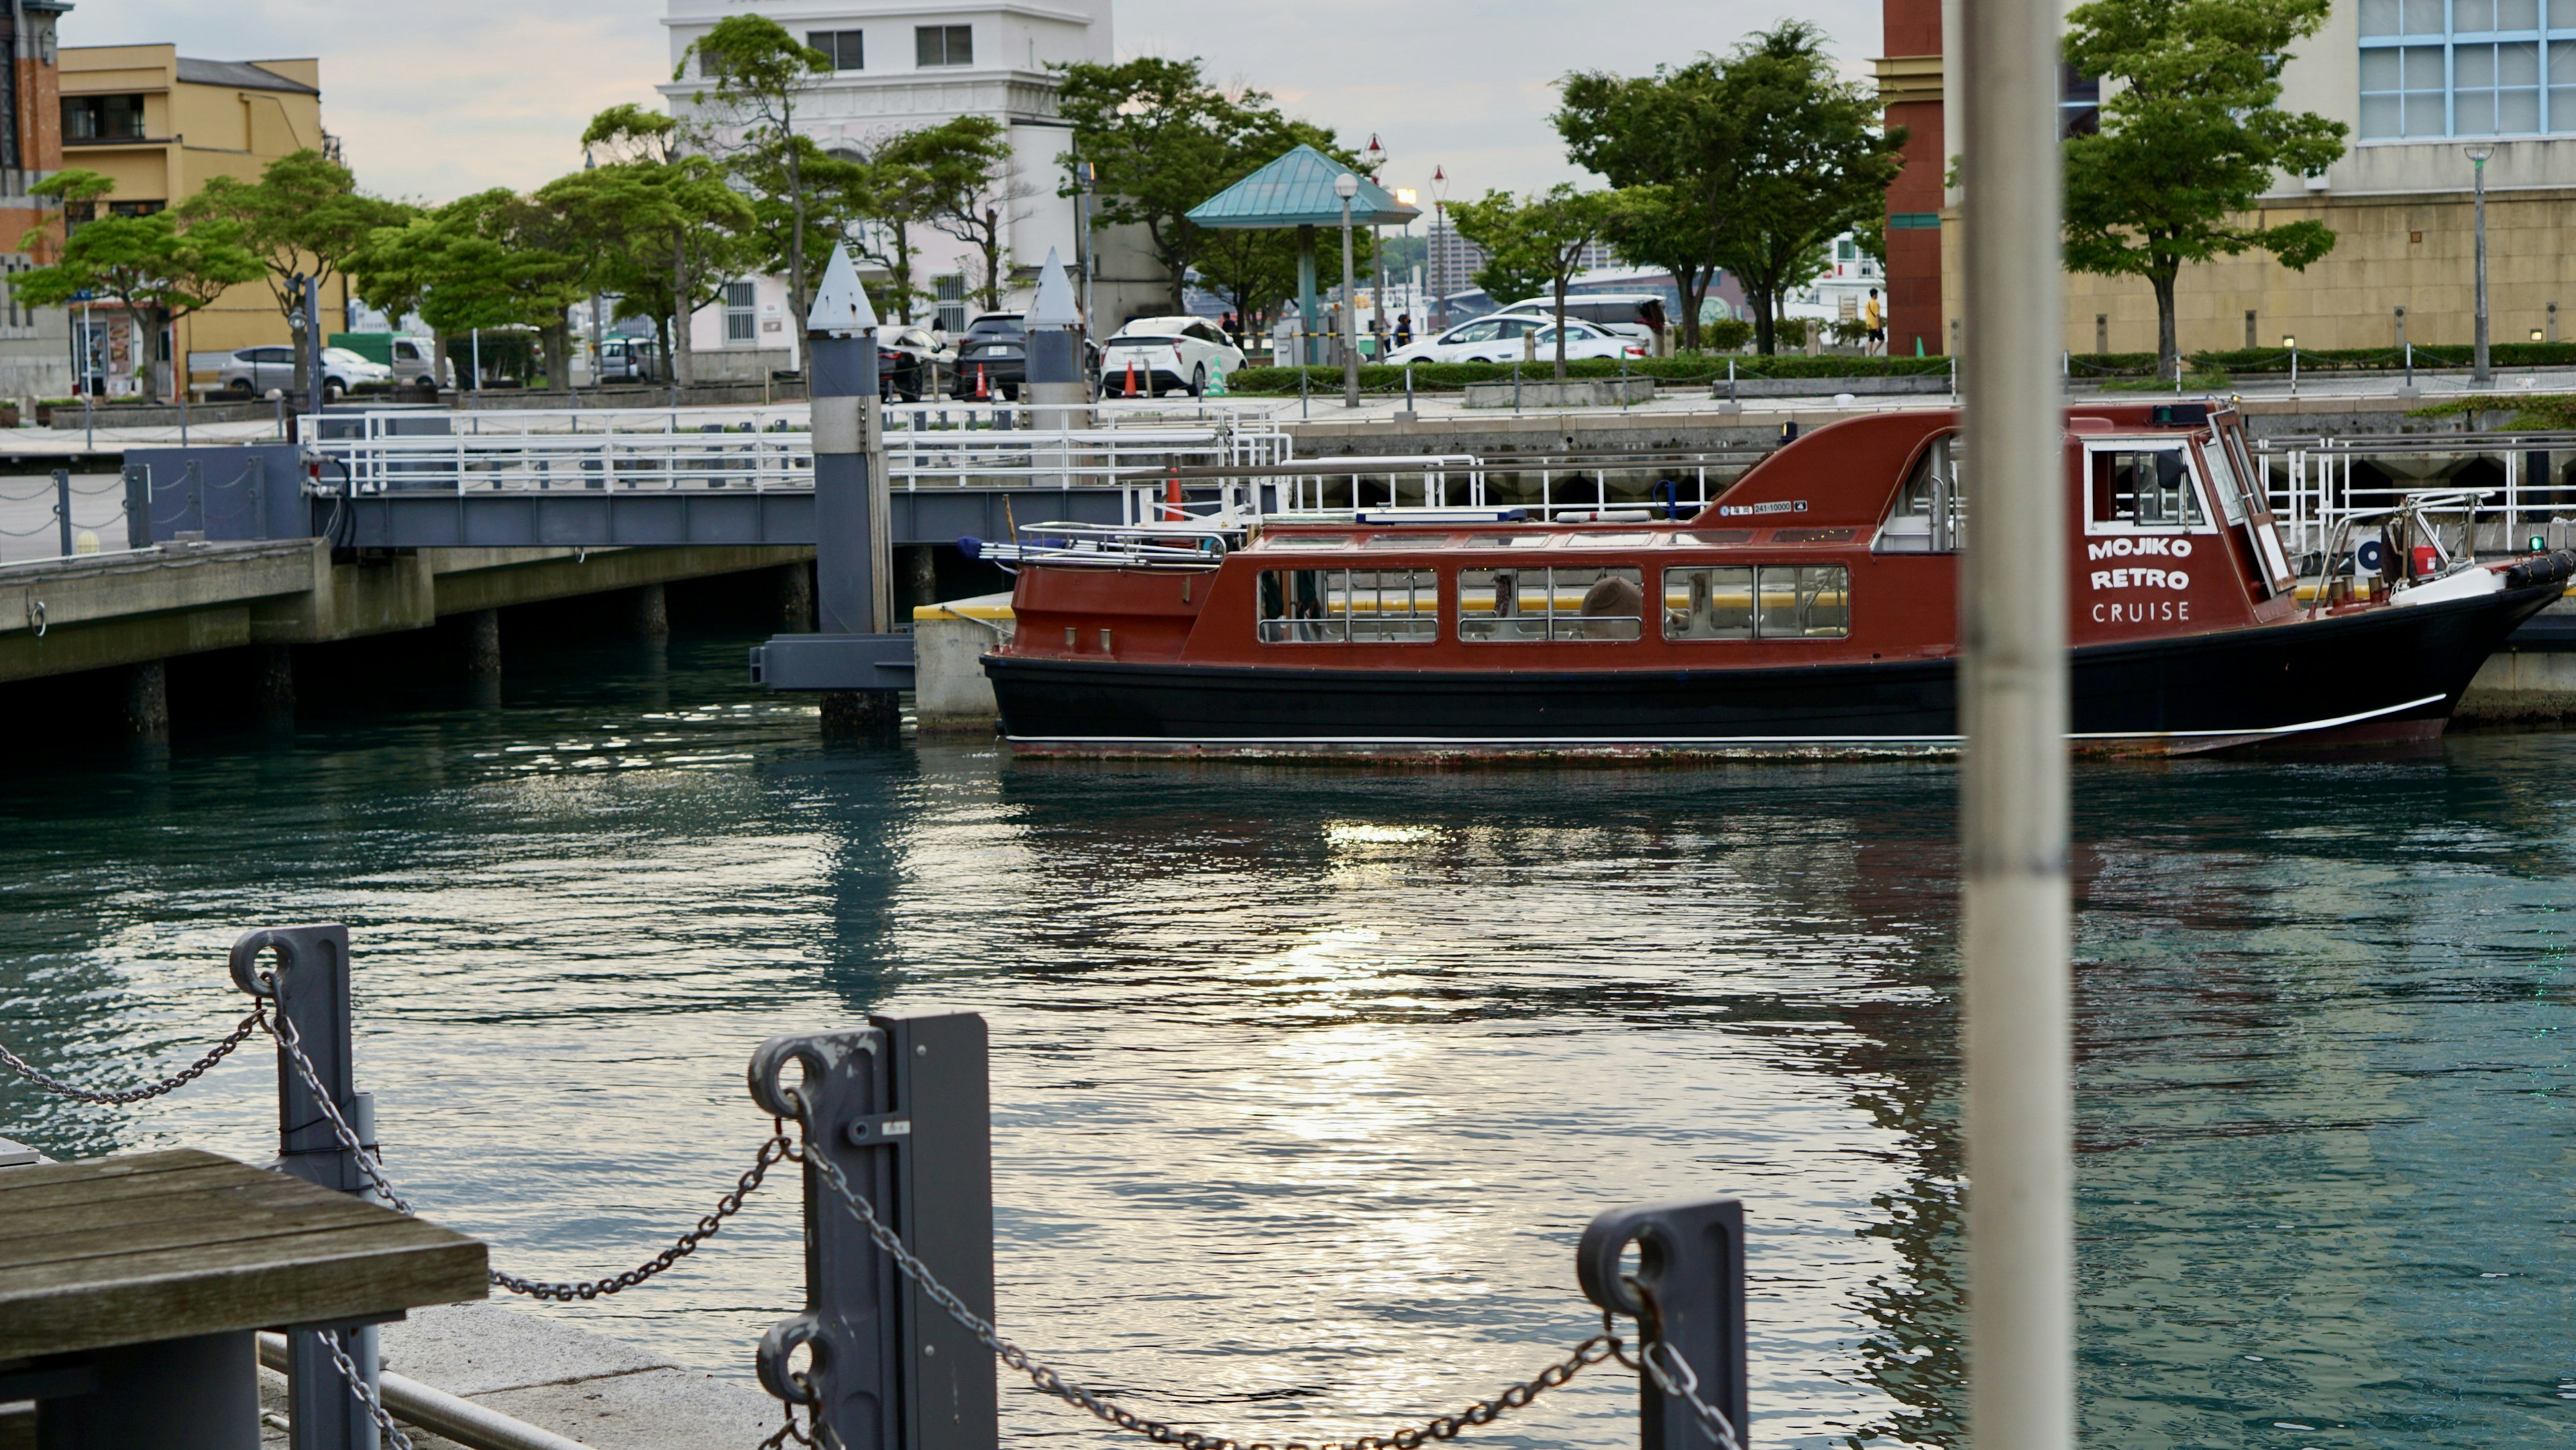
902, 1111
309, 1001
1687, 1297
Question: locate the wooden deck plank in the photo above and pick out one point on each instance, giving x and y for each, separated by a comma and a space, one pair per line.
202, 1245
199, 1220
144, 1200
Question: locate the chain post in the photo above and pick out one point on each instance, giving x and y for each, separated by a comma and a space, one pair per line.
902, 1112
1687, 1297
308, 990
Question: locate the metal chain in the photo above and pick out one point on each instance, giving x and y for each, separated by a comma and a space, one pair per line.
777, 1148
250, 1024
365, 1392
1411, 1437
1675, 1377
293, 1042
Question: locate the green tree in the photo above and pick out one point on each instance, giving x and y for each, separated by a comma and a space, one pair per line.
2190, 137
1542, 237
159, 267
304, 217
1666, 142
1804, 160
1161, 139
968, 161
491, 260
664, 237
758, 74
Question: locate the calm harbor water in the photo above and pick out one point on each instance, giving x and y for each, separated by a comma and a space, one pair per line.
1305, 1080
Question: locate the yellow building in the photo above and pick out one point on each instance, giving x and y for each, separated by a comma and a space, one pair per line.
160, 123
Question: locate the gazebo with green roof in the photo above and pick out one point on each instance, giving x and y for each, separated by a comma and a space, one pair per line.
1297, 191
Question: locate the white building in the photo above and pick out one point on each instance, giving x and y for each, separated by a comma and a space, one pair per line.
898, 67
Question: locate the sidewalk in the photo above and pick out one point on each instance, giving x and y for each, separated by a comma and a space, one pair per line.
548, 1373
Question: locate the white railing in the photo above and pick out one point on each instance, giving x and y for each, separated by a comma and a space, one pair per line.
760, 451
2317, 484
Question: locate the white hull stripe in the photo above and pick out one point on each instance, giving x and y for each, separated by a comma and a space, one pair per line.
1670, 742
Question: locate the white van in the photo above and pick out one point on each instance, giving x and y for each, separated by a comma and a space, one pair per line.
1636, 315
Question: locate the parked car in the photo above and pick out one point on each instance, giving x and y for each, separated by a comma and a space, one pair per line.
995, 347
1500, 338
1638, 316
409, 356
629, 360
1168, 354
252, 371
908, 359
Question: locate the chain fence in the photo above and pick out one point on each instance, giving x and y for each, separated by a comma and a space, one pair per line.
1655, 1359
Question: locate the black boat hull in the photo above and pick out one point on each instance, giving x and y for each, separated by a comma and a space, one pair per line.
2386, 674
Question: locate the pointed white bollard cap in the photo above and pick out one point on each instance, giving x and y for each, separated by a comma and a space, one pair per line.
840, 304
1053, 306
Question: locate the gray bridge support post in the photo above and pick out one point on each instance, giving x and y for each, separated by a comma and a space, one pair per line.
1058, 394
309, 988
1688, 1295
903, 1110
857, 659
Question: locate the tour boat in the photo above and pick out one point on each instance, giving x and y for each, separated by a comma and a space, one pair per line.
1811, 608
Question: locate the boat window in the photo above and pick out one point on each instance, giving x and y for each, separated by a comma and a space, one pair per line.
1813, 536
2222, 481
2148, 488
1338, 606
1928, 510
1305, 541
1776, 601
1708, 603
1608, 541
1713, 538
1508, 541
1498, 606
1405, 541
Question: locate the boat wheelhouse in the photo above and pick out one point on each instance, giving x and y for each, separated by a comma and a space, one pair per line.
1812, 607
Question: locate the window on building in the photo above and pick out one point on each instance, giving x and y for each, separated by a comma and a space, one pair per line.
2079, 103
950, 293
943, 45
742, 321
102, 118
135, 208
2467, 68
844, 48
19, 321
1349, 606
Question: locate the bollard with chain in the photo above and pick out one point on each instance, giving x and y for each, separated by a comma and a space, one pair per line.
1687, 1296
899, 1116
308, 992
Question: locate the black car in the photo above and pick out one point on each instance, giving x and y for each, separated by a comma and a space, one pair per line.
908, 362
994, 351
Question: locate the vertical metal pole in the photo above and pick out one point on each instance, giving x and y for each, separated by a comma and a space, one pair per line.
308, 986
903, 1111
2013, 718
2478, 158
1350, 317
63, 507
315, 384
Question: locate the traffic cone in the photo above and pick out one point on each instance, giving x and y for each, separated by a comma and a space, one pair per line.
1172, 500
982, 391
1131, 377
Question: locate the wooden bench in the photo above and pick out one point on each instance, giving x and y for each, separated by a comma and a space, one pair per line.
131, 1289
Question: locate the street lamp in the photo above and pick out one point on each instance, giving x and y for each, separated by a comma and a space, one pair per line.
1347, 186
1375, 156
1439, 213
2478, 155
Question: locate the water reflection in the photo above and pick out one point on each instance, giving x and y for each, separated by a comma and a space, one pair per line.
1305, 1081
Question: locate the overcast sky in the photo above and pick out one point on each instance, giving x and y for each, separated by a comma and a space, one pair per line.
438, 98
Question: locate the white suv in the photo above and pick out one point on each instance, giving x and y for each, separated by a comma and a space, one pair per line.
1632, 315
1165, 353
